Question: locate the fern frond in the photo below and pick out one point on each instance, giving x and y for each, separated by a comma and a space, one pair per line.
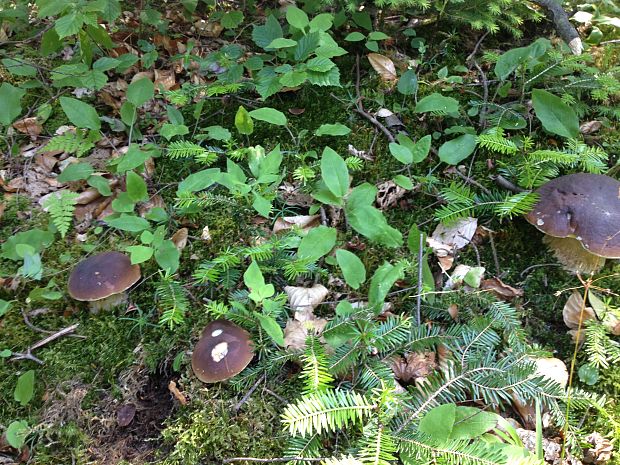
315, 374
377, 444
516, 205
309, 447
77, 142
326, 411
184, 149
172, 301
496, 142
61, 205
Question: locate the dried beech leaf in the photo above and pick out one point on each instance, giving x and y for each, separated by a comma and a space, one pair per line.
384, 66
453, 311
500, 289
413, 366
456, 235
296, 332
30, 126
572, 311
303, 222
179, 239
206, 234
303, 300
600, 452
590, 127
388, 194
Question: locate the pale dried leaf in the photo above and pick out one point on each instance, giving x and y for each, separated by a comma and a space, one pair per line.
456, 235
30, 126
296, 332
388, 194
590, 127
174, 390
500, 289
303, 300
601, 450
179, 238
206, 235
413, 366
302, 222
384, 66
165, 79
453, 311
572, 311
384, 113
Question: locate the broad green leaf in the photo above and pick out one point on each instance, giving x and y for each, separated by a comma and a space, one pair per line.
243, 121
75, 172
269, 115
253, 277
24, 390
401, 153
10, 102
352, 268
100, 183
218, 133
167, 256
510, 61
36, 238
334, 172
336, 129
69, 24
378, 35
456, 150
437, 103
231, 19
262, 205
413, 240
264, 35
19, 67
281, 42
79, 113
141, 91
318, 242
16, 434
408, 83
355, 37
297, 17
555, 115
473, 276
5, 306
129, 223
421, 148
136, 187
171, 130
381, 282
271, 327
403, 181
320, 64
198, 181
322, 22
439, 422
134, 158
471, 423
139, 253
293, 78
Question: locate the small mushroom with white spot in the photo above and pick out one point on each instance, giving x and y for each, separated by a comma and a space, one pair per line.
222, 352
580, 216
102, 280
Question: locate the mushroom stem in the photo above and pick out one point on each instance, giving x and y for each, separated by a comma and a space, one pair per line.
571, 253
108, 303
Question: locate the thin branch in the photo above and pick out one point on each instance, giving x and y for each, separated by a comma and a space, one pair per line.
274, 460
52, 337
562, 24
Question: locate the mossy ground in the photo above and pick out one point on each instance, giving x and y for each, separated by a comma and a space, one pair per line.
91, 375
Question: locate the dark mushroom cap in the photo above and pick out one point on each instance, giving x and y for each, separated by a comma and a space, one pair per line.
101, 276
582, 206
223, 351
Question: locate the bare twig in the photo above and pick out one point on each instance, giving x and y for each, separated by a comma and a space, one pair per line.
52, 337
359, 107
273, 460
506, 184
562, 24
248, 394
418, 303
494, 251
41, 330
472, 181
476, 47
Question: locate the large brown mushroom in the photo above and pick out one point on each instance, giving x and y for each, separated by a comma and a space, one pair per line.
103, 279
222, 352
580, 216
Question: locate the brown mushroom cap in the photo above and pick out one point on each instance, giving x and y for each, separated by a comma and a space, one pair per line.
101, 276
222, 352
582, 206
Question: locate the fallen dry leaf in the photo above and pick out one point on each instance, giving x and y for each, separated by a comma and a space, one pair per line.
453, 311
178, 395
572, 311
388, 194
303, 300
179, 239
291, 194
303, 222
206, 235
500, 289
601, 450
384, 66
296, 332
165, 79
125, 414
590, 127
413, 366
456, 235
296, 111
30, 126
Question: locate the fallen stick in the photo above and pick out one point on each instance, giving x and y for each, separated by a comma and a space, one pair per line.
52, 337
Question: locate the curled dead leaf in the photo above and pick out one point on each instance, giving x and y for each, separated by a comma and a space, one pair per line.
176, 392
590, 127
384, 66
388, 194
303, 222
296, 332
206, 235
413, 366
30, 126
571, 313
179, 239
303, 300
600, 452
500, 289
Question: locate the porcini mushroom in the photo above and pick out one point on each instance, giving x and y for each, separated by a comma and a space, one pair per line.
580, 216
222, 352
103, 279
